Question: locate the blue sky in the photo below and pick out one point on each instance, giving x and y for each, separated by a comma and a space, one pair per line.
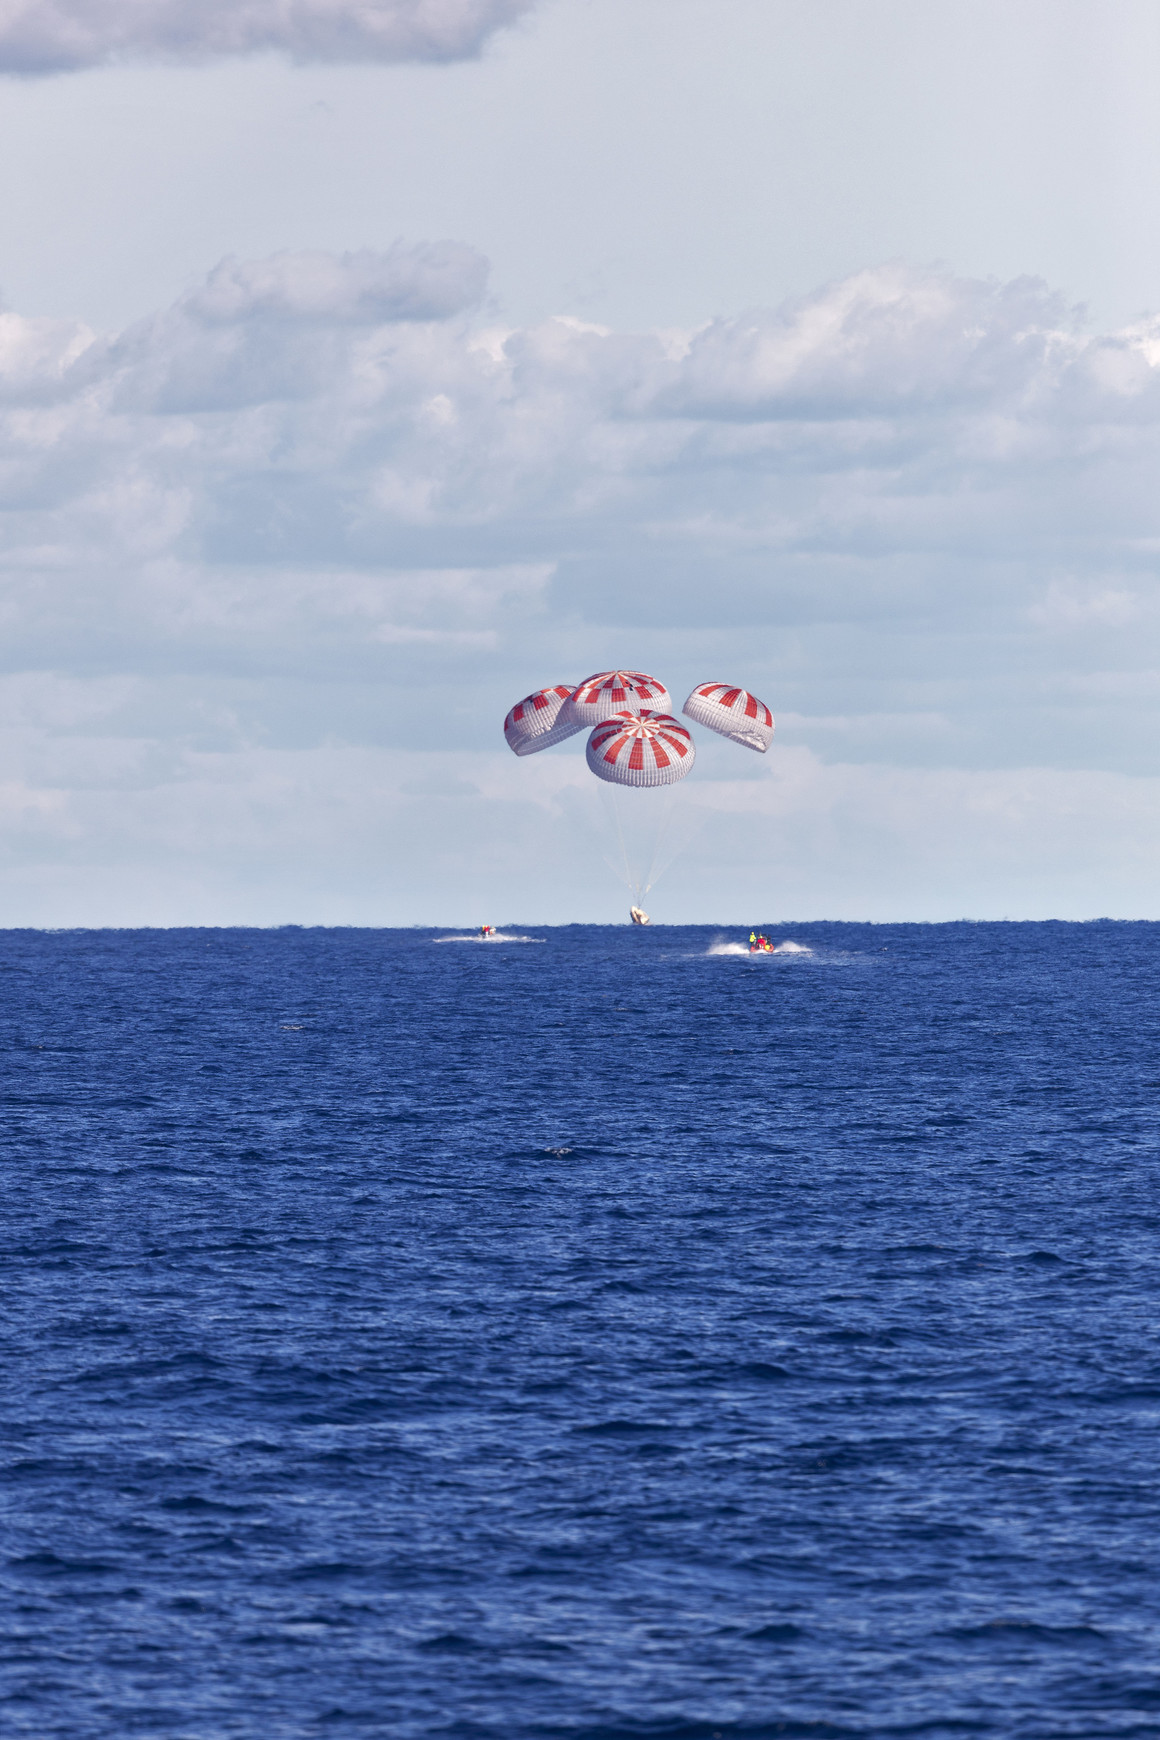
365, 366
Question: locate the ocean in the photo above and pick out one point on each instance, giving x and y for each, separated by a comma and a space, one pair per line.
597, 1335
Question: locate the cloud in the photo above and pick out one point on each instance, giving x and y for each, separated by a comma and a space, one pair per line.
325, 512
428, 282
50, 36
883, 341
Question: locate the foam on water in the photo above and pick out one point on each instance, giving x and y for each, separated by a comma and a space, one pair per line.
497, 936
738, 949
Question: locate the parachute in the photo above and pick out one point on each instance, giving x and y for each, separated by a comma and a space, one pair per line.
640, 753
641, 749
540, 720
609, 692
734, 713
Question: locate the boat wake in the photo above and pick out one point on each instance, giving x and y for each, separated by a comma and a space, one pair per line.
781, 948
497, 936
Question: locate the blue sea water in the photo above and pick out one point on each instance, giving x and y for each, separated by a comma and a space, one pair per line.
581, 1339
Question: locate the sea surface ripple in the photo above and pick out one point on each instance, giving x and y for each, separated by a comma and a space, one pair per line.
610, 1339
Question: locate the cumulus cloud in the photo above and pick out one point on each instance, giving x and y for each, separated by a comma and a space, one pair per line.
48, 36
324, 513
884, 340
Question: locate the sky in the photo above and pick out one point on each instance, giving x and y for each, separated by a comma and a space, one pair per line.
365, 364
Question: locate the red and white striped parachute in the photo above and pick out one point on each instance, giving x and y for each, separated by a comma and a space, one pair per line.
641, 749
610, 692
540, 720
734, 713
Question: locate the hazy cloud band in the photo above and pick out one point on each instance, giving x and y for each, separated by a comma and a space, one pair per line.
49, 36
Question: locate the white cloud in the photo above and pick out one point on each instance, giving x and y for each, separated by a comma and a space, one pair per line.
1068, 606
320, 515
882, 341
46, 36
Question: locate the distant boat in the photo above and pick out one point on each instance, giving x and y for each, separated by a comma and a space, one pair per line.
639, 916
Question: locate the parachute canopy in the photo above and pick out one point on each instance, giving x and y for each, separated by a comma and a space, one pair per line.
610, 692
641, 749
540, 720
636, 748
734, 713
548, 716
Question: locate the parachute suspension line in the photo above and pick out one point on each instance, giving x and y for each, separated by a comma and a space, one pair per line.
682, 824
624, 855
656, 868
645, 834
631, 882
